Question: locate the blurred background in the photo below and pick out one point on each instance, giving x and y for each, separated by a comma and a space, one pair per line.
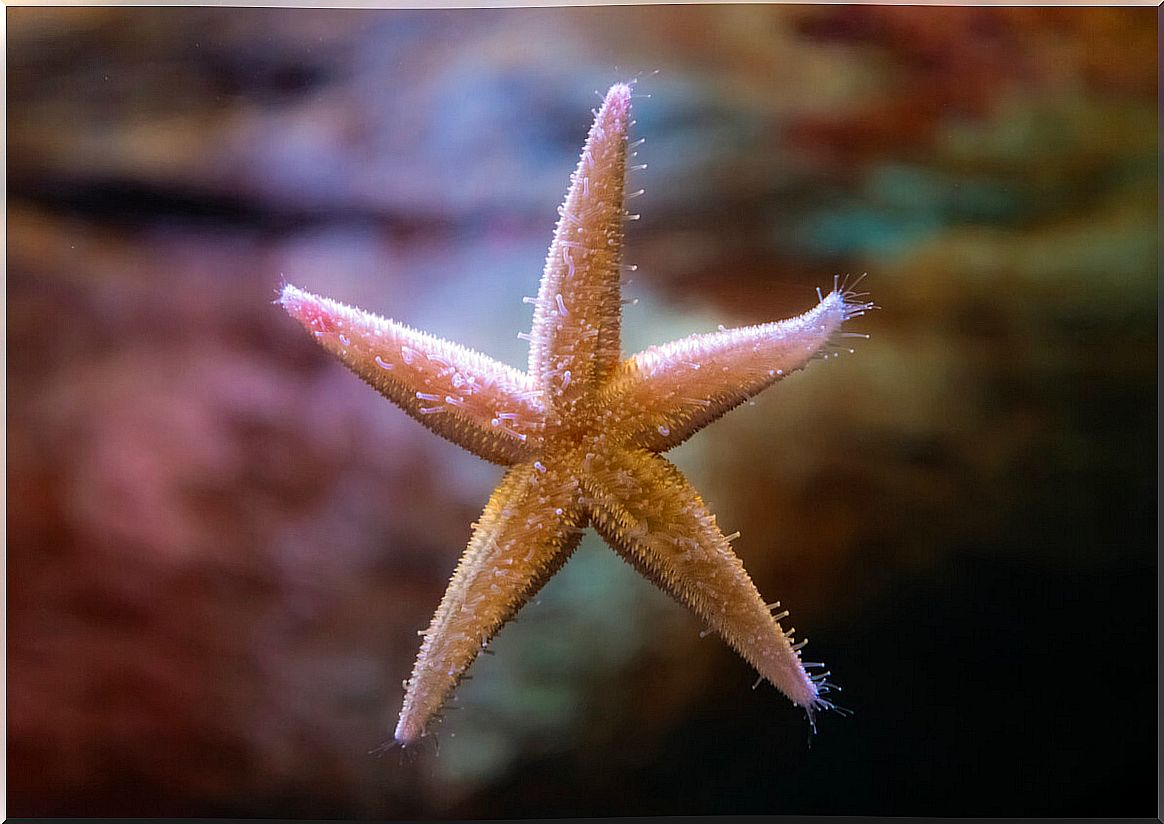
221, 544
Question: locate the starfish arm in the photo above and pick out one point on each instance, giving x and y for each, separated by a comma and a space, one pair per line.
490, 409
669, 392
574, 342
530, 526
644, 507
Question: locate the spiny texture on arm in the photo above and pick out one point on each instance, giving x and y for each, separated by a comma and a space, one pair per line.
531, 525
644, 507
672, 391
574, 343
490, 409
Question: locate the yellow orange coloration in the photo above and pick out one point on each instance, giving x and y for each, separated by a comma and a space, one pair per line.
581, 433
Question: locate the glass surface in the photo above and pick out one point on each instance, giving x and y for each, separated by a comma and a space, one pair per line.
221, 544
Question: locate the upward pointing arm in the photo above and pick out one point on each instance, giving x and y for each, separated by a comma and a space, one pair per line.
574, 343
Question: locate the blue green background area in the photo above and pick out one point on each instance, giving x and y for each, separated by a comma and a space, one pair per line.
221, 545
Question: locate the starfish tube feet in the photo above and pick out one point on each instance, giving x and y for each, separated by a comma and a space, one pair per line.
680, 387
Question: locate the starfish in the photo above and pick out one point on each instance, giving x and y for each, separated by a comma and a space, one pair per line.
581, 433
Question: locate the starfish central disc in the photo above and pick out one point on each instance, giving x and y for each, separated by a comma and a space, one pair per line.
581, 432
